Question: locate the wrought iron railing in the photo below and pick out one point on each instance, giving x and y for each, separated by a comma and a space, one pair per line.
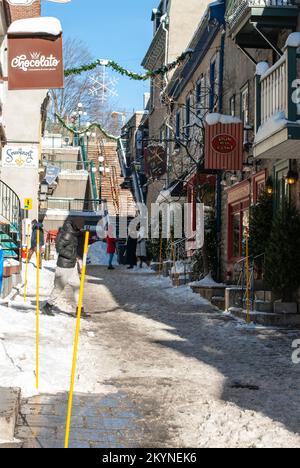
74, 204
10, 212
70, 166
237, 8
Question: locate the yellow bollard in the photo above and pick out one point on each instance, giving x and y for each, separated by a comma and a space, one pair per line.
26, 266
70, 404
38, 252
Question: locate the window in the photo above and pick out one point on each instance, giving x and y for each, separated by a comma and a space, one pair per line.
214, 82
236, 235
245, 104
212, 86
178, 124
232, 106
188, 117
198, 92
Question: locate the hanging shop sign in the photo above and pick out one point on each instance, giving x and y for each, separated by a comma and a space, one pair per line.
35, 62
155, 161
52, 174
20, 156
224, 147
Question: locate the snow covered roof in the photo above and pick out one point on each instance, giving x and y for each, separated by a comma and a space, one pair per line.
44, 26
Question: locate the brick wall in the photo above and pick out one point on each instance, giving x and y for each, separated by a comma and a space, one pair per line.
16, 12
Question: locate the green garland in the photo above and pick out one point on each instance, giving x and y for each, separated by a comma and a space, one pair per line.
83, 132
122, 71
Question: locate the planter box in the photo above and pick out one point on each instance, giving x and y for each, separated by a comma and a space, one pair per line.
285, 307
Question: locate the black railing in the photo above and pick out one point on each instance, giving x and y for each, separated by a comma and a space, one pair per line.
74, 204
236, 8
10, 212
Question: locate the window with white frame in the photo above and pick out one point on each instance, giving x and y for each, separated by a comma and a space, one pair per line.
245, 104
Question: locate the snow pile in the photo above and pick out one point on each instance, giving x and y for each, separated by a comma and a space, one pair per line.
177, 295
272, 125
208, 282
262, 68
181, 268
214, 119
293, 40
17, 344
98, 254
42, 25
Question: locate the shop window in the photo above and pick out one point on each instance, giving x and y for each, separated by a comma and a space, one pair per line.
236, 235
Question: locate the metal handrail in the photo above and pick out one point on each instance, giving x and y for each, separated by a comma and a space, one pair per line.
71, 165
74, 204
115, 188
10, 210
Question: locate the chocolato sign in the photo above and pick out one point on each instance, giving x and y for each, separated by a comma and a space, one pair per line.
35, 63
20, 156
224, 143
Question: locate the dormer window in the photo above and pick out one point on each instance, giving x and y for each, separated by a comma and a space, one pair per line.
156, 17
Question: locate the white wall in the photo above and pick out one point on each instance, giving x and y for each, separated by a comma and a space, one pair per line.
22, 120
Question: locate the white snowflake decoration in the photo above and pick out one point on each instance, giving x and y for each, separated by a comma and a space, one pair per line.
103, 86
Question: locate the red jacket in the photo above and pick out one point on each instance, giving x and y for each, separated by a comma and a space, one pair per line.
111, 245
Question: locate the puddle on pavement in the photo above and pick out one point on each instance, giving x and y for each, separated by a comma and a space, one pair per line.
98, 421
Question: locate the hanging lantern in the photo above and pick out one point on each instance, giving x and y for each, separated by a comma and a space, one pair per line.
269, 186
292, 177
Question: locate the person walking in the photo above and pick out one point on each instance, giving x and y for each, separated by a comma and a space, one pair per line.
36, 226
111, 246
131, 245
68, 265
141, 249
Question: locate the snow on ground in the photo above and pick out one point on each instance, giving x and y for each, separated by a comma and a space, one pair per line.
208, 281
184, 292
98, 254
17, 344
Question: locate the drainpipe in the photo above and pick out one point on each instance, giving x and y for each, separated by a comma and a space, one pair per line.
219, 175
166, 30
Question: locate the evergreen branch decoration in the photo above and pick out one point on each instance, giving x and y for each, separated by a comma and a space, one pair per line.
122, 71
83, 132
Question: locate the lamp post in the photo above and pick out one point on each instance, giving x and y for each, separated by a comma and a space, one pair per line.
101, 160
77, 117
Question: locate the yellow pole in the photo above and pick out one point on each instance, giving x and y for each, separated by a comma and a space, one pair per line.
247, 278
38, 252
26, 267
70, 404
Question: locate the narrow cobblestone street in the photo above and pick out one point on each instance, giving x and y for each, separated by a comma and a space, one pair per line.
176, 373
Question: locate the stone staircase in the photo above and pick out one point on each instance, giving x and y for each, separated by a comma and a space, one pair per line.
120, 200
9, 410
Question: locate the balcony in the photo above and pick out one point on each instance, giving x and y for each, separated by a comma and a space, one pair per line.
246, 19
277, 109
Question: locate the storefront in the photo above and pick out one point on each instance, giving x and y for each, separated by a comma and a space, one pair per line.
240, 198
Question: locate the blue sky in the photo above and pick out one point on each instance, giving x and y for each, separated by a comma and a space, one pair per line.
114, 29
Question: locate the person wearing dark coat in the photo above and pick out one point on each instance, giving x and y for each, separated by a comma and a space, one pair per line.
131, 245
36, 226
68, 268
